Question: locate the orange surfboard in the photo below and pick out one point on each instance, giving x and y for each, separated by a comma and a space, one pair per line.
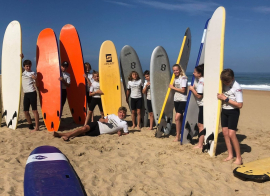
48, 73
70, 51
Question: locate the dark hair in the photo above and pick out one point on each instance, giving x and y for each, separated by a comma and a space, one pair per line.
122, 108
27, 62
147, 72
65, 64
200, 69
227, 75
130, 76
87, 64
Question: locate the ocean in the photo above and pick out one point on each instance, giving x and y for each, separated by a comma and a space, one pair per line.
250, 81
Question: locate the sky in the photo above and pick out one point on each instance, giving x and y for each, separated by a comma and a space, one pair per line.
145, 24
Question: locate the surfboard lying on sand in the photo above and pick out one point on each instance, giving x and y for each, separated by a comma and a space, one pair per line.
160, 75
182, 59
48, 172
214, 54
189, 126
48, 74
11, 74
258, 170
109, 78
70, 51
129, 61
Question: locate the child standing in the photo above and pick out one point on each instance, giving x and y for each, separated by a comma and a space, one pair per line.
197, 90
30, 95
232, 102
96, 93
180, 97
89, 79
146, 90
134, 90
65, 79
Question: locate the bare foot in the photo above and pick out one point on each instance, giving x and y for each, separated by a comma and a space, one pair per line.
32, 131
238, 162
133, 126
176, 140
150, 128
227, 159
55, 134
139, 128
65, 138
198, 147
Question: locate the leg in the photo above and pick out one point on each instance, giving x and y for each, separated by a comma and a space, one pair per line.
26, 106
63, 99
35, 112
139, 119
225, 131
133, 113
75, 133
236, 146
100, 108
151, 117
201, 139
28, 117
88, 116
178, 126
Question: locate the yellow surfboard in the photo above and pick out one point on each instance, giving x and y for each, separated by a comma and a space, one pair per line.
109, 78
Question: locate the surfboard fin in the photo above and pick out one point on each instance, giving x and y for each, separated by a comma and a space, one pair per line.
72, 111
84, 109
80, 119
4, 114
209, 140
10, 123
203, 132
189, 131
14, 115
159, 132
52, 125
196, 129
58, 113
44, 116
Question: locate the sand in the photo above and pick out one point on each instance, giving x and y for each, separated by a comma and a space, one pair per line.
139, 163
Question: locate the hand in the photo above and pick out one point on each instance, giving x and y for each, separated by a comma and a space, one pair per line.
34, 77
22, 56
171, 86
221, 96
119, 133
84, 75
61, 79
148, 84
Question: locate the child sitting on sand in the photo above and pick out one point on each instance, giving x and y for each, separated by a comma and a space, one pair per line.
197, 90
65, 79
146, 90
232, 102
109, 124
134, 90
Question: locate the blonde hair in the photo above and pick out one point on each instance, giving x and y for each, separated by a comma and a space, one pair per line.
182, 73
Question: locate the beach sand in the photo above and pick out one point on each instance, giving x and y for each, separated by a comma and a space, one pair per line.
139, 163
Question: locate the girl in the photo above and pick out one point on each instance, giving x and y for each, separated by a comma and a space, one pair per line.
134, 89
89, 79
65, 79
95, 92
197, 90
232, 98
180, 97
146, 90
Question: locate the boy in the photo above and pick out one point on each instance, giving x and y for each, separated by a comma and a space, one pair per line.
65, 79
107, 125
30, 95
232, 98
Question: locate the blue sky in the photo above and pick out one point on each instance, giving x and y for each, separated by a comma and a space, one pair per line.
145, 24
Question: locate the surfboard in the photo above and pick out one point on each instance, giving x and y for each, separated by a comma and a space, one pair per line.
48, 172
70, 51
189, 126
258, 170
48, 73
214, 54
129, 61
182, 59
109, 78
11, 73
160, 75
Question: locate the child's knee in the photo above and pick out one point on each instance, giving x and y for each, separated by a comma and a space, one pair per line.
133, 112
26, 112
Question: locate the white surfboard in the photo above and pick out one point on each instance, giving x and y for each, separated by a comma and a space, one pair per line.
189, 126
214, 54
11, 73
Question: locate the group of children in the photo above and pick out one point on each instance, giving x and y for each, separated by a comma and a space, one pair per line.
231, 96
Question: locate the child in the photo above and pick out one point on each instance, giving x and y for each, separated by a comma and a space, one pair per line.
30, 95
109, 124
95, 92
232, 98
134, 89
180, 97
65, 79
146, 90
89, 79
197, 90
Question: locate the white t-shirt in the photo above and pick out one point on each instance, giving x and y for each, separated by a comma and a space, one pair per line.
199, 85
66, 77
180, 83
90, 77
136, 88
28, 81
114, 124
148, 94
94, 87
234, 92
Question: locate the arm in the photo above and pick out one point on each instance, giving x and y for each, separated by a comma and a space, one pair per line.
180, 90
104, 120
144, 91
233, 103
128, 93
199, 96
87, 80
35, 80
120, 133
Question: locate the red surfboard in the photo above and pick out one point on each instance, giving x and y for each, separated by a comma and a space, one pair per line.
48, 73
70, 51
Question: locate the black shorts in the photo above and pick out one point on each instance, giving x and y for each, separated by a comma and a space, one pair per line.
88, 99
229, 118
180, 106
94, 129
94, 102
149, 106
136, 103
30, 99
200, 115
63, 97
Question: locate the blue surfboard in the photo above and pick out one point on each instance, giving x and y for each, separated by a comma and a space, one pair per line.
190, 119
48, 172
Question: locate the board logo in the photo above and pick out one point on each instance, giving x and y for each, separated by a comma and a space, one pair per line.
108, 58
133, 65
127, 53
39, 157
161, 55
163, 67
